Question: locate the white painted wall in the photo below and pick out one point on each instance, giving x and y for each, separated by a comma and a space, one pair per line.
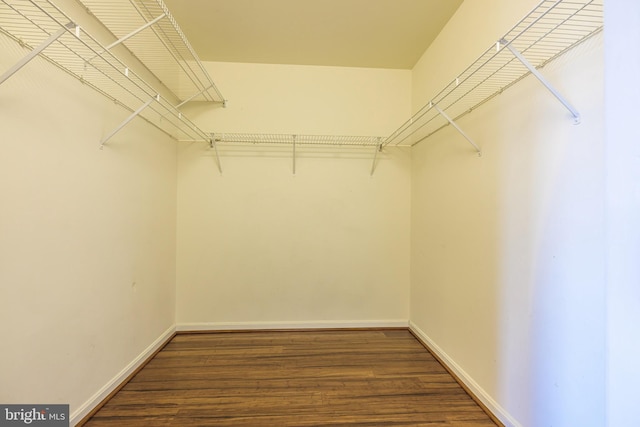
271, 98
507, 254
87, 237
329, 246
622, 59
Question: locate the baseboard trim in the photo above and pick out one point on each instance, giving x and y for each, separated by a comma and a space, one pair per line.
91, 406
486, 402
268, 326
493, 409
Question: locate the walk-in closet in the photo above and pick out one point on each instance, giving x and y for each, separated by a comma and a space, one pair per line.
320, 212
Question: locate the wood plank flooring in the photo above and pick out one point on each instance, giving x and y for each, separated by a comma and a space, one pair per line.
305, 378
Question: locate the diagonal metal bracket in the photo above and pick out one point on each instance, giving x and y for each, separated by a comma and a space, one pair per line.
128, 36
193, 96
540, 77
127, 120
35, 52
212, 144
378, 148
455, 125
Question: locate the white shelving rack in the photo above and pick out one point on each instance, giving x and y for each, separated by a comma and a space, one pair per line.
45, 30
548, 31
289, 139
295, 141
149, 32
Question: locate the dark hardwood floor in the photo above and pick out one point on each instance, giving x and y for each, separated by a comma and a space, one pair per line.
306, 378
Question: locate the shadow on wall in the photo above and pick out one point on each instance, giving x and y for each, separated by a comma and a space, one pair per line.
507, 249
551, 259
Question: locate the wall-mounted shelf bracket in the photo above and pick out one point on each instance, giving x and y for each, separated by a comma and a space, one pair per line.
294, 154
377, 149
133, 33
195, 95
455, 125
127, 120
35, 52
212, 144
541, 78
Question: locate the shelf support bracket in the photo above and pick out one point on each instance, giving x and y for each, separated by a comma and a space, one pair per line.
193, 96
127, 37
378, 147
294, 154
133, 33
455, 125
127, 120
35, 52
212, 144
540, 77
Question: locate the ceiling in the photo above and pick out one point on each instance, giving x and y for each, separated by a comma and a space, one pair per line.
350, 33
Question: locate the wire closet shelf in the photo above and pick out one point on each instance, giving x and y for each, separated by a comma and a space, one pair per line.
43, 28
288, 139
160, 45
551, 29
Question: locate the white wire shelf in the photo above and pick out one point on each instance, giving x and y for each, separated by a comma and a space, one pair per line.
162, 47
551, 29
32, 23
294, 141
290, 139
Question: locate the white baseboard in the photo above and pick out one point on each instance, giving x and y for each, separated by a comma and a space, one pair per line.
95, 400
478, 391
330, 324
